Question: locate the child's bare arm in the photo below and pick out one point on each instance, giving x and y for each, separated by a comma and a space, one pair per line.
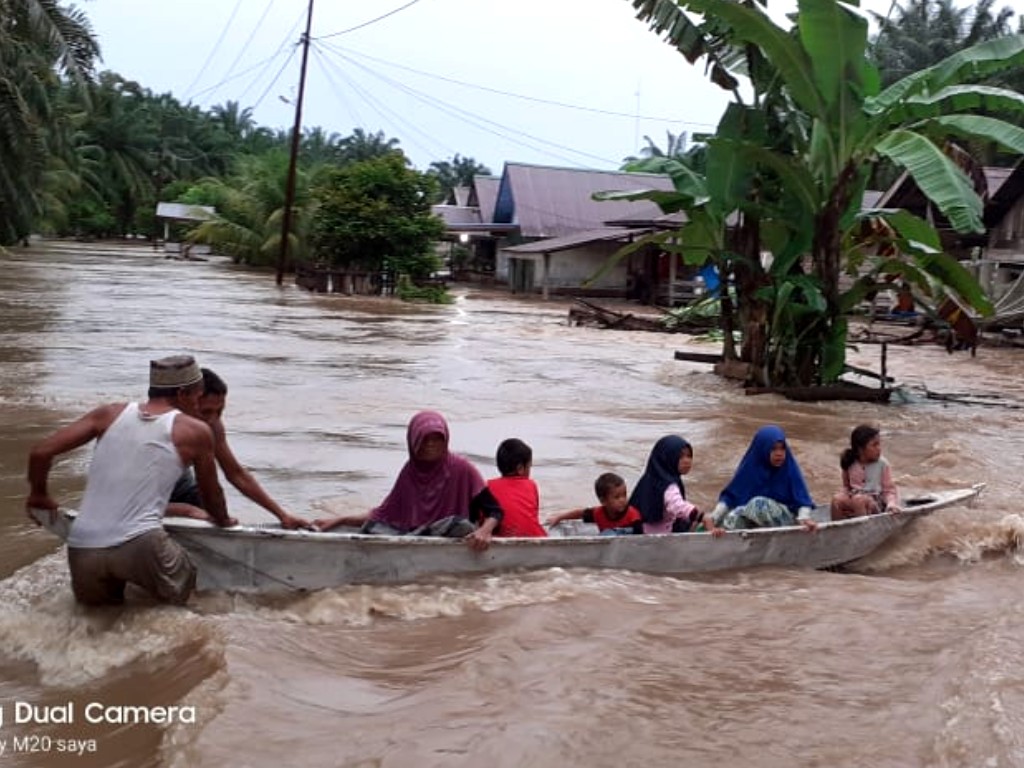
572, 514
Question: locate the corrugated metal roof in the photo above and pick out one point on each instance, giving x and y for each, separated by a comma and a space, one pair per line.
554, 202
486, 188
453, 215
185, 212
460, 196
553, 244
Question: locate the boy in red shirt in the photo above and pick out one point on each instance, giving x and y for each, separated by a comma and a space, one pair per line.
614, 517
510, 504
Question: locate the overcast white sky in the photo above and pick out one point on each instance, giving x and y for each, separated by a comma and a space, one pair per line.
396, 75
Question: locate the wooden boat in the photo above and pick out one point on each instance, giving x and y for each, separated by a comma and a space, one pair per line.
266, 558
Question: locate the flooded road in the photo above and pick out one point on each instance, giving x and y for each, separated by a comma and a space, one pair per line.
914, 659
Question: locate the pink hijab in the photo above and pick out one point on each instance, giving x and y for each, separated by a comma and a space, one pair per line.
428, 491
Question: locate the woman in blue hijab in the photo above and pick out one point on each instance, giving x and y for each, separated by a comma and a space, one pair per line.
768, 488
660, 495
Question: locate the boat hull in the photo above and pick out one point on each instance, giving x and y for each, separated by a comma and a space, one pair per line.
268, 559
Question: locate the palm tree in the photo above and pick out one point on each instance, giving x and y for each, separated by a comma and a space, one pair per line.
922, 33
39, 39
237, 123
675, 146
456, 172
250, 207
366, 146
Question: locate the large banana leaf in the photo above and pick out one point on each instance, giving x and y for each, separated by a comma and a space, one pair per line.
955, 98
835, 39
666, 18
667, 201
952, 274
684, 179
971, 64
911, 228
937, 177
978, 62
752, 25
1006, 135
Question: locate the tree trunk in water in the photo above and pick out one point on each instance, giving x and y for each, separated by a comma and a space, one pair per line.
750, 277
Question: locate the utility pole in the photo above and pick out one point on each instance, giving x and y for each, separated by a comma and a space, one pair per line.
289, 191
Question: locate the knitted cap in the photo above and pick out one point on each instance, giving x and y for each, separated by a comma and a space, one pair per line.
174, 372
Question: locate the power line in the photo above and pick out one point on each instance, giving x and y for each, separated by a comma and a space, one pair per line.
216, 46
552, 102
262, 63
476, 120
368, 23
379, 107
245, 45
215, 86
276, 77
281, 47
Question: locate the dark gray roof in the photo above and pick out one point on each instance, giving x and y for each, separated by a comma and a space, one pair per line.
453, 215
553, 202
553, 244
486, 189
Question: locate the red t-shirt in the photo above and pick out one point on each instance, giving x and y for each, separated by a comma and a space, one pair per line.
599, 517
520, 504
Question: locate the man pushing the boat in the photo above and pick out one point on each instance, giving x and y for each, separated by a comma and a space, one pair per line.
118, 536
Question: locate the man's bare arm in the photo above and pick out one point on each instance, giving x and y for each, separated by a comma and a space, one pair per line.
78, 433
194, 440
242, 479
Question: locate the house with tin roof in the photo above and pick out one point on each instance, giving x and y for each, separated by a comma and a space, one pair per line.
544, 232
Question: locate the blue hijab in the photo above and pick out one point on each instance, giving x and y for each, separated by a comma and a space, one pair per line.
755, 476
661, 472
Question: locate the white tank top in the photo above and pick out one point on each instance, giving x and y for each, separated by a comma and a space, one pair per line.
132, 474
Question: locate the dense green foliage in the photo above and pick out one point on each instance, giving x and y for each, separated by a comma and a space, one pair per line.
779, 210
41, 46
90, 155
375, 216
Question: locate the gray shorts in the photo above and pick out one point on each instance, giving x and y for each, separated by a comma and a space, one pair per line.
152, 561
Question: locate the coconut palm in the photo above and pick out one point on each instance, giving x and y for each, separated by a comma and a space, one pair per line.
39, 39
456, 172
922, 33
250, 208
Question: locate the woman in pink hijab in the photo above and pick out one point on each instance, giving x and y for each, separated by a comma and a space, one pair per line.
433, 490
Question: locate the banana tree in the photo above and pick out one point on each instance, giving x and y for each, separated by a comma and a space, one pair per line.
826, 126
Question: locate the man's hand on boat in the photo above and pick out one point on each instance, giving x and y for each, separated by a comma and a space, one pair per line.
293, 523
180, 509
40, 502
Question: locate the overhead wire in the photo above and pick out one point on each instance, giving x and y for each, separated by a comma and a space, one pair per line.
368, 23
381, 109
248, 40
539, 100
477, 120
216, 47
276, 78
262, 63
334, 86
288, 39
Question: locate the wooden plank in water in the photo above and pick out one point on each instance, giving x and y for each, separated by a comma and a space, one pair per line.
699, 357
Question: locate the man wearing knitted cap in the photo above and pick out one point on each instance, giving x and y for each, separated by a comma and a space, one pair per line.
118, 537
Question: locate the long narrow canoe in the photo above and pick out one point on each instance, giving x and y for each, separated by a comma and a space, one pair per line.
266, 558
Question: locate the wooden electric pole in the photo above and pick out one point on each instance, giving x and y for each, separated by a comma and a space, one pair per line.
289, 190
